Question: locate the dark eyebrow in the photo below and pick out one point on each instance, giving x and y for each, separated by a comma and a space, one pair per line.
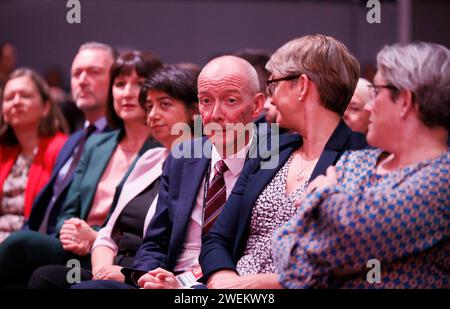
89, 67
164, 97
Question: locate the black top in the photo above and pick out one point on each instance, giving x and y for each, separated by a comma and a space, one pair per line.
127, 232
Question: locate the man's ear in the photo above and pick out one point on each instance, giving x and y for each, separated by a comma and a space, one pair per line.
258, 104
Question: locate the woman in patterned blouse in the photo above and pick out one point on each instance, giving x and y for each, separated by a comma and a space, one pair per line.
381, 219
32, 132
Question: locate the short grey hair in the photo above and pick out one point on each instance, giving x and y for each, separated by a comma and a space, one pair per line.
326, 61
424, 69
98, 45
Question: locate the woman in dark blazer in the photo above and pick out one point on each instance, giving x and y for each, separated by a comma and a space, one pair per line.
105, 163
311, 83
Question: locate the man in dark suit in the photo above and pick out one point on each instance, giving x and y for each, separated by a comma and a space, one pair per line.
90, 82
194, 188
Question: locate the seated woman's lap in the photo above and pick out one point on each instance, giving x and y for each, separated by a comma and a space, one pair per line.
102, 284
57, 277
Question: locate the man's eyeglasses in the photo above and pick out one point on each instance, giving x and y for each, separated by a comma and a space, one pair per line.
273, 83
374, 89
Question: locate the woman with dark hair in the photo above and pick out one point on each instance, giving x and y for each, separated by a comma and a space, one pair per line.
382, 218
106, 160
170, 98
32, 132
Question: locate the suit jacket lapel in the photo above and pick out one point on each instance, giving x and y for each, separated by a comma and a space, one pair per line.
146, 171
191, 179
101, 154
333, 147
67, 151
258, 181
326, 159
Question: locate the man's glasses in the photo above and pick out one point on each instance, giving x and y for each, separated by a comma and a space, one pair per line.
375, 89
273, 83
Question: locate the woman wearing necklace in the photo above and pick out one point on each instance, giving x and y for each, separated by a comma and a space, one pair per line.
311, 83
31, 135
387, 206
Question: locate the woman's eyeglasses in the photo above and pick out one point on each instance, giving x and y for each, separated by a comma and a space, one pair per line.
273, 83
375, 89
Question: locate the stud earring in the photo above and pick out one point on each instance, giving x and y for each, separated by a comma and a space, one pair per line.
300, 98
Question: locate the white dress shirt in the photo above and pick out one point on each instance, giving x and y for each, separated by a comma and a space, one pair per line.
188, 258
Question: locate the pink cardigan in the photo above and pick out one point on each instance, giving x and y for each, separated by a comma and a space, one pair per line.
148, 168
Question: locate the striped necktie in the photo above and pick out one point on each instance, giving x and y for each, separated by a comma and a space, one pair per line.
216, 196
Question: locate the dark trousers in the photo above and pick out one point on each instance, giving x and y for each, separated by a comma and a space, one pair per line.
55, 277
102, 284
25, 251
110, 284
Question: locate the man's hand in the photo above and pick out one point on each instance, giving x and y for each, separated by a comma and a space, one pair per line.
158, 279
77, 236
110, 272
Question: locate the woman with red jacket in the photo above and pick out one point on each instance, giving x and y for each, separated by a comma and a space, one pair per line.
32, 132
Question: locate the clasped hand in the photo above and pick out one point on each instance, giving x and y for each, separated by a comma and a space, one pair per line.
158, 279
77, 236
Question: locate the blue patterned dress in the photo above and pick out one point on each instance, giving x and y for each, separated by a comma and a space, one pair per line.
401, 220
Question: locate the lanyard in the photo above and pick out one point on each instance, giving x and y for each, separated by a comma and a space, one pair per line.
205, 190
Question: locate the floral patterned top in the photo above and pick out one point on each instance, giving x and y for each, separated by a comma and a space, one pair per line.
397, 224
12, 202
272, 209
